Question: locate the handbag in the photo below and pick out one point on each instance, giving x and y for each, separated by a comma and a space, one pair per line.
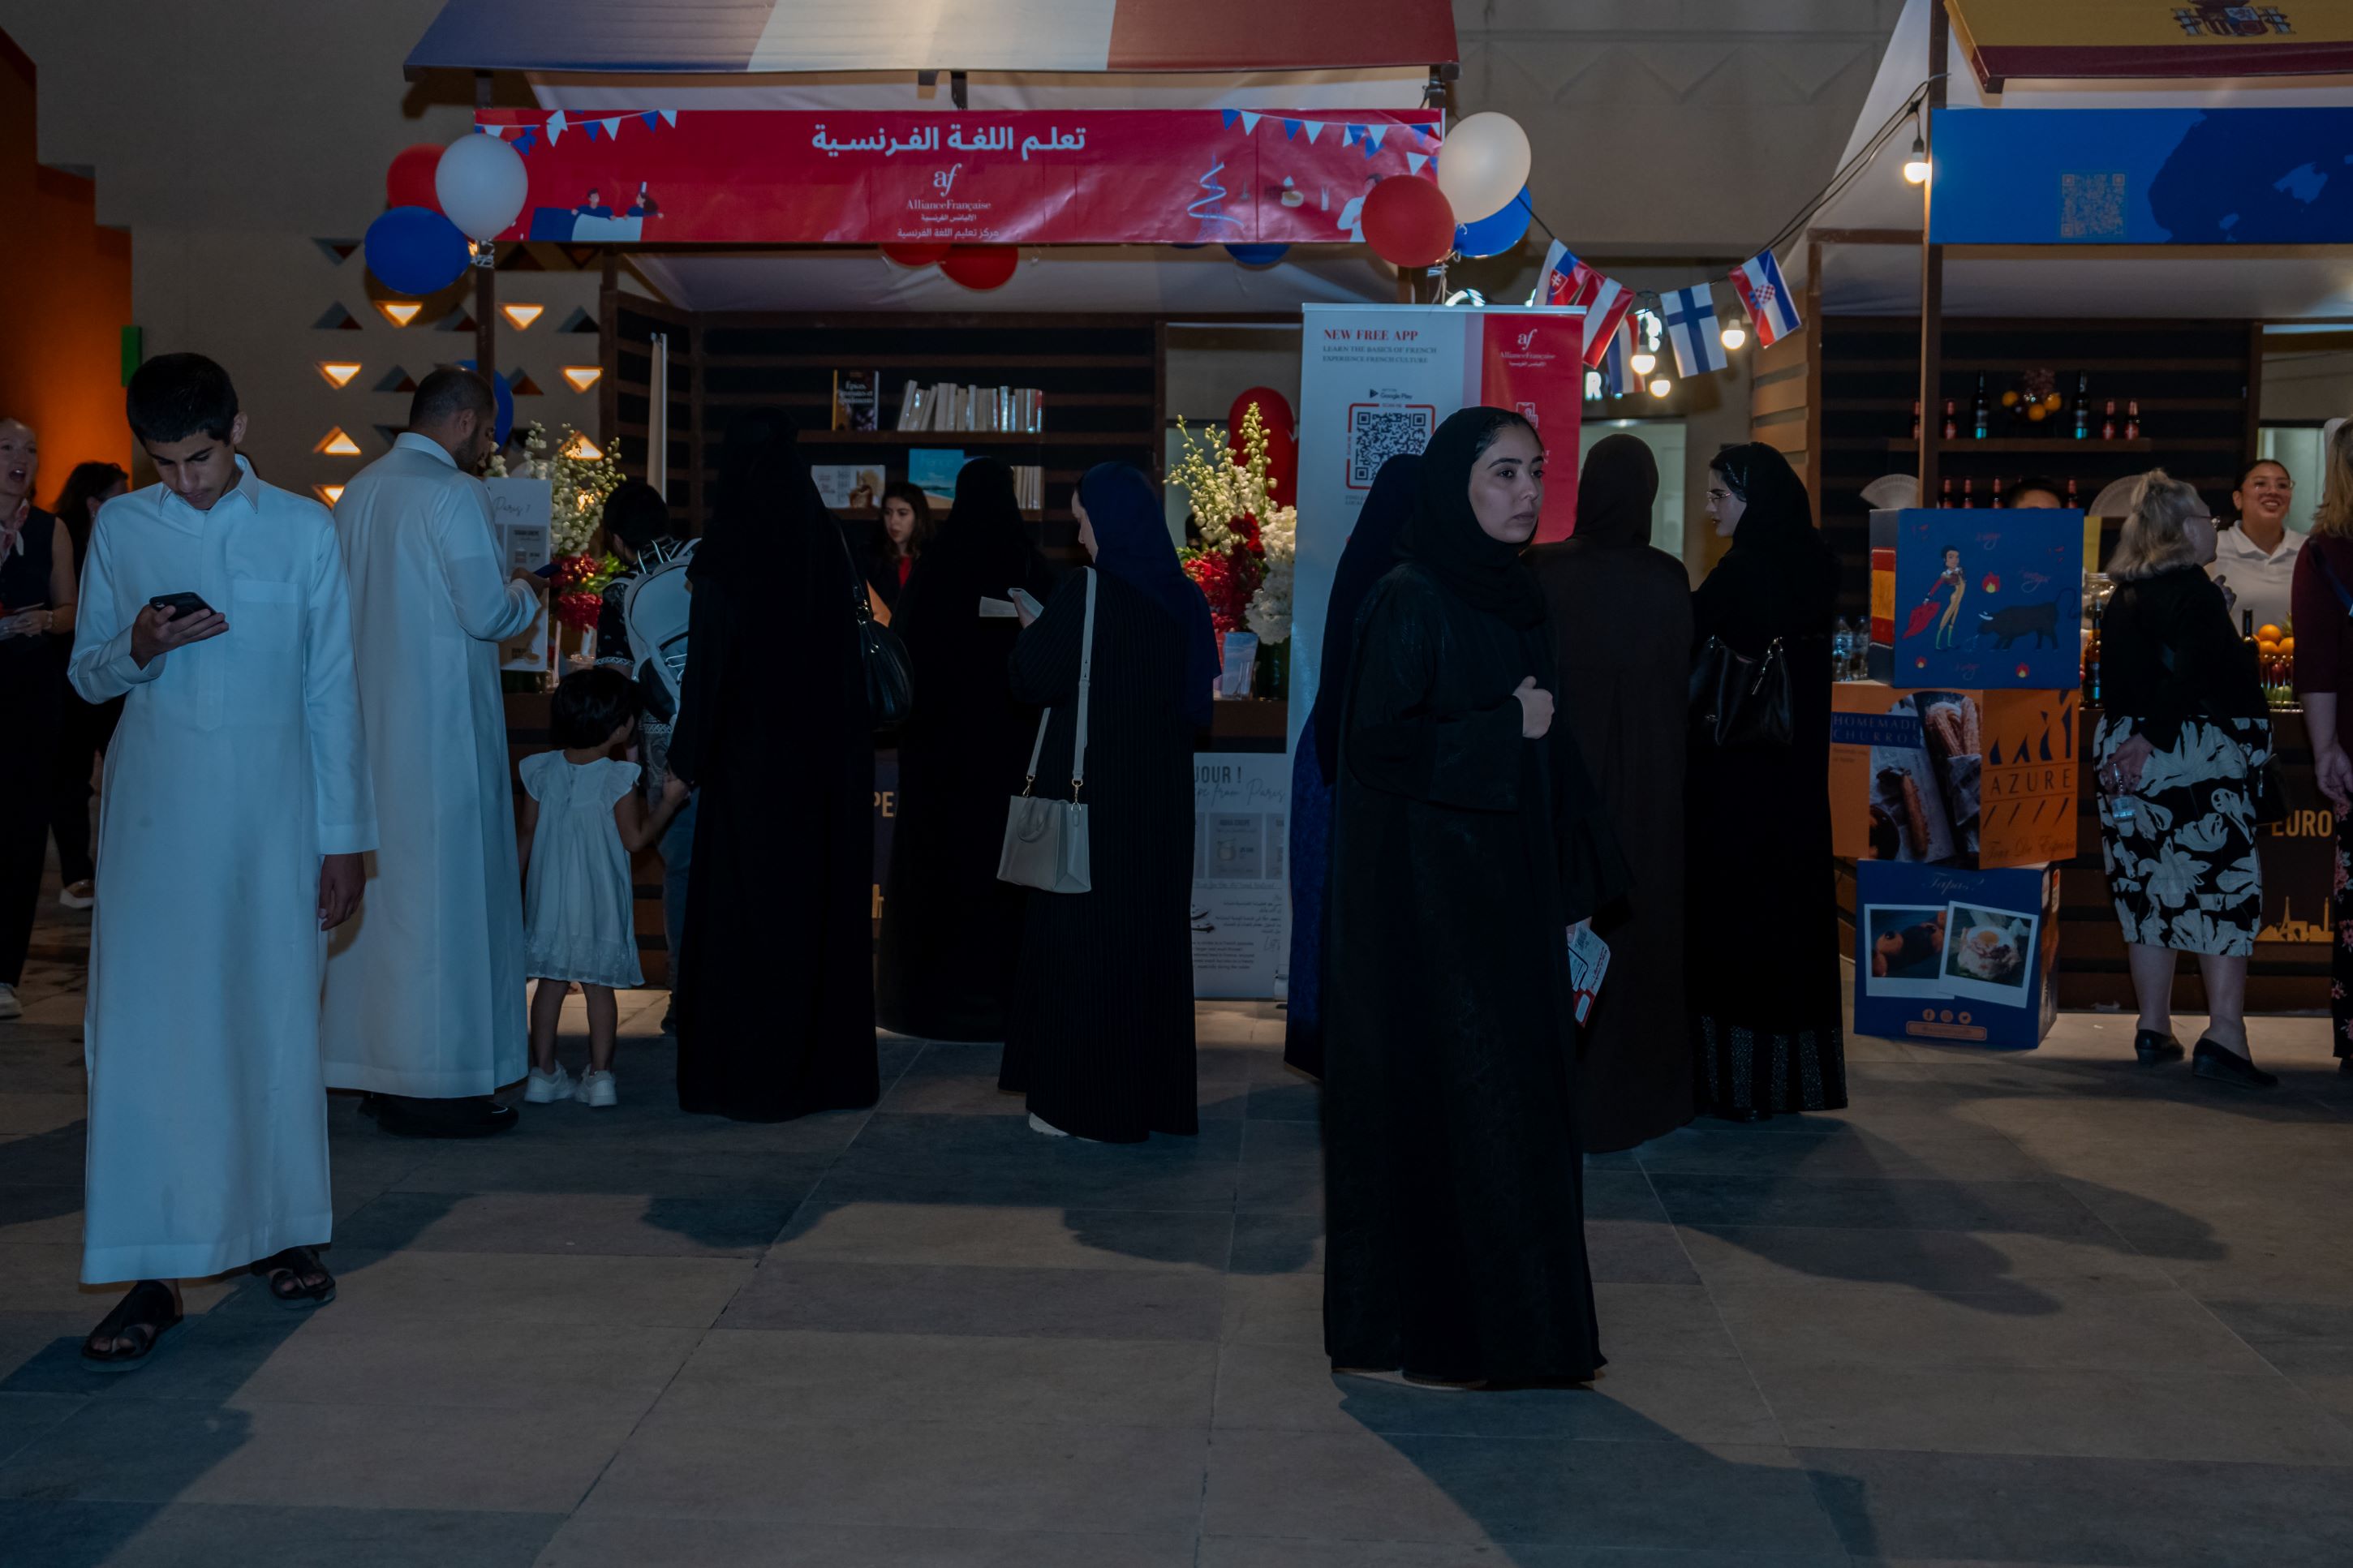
1046, 840
1738, 703
890, 679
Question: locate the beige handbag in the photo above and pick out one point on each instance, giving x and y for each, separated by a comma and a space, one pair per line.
1046, 840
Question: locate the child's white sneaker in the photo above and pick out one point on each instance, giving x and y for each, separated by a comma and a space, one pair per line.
547, 1087
597, 1090
9, 1006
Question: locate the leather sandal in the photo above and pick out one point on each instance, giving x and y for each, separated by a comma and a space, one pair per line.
145, 1314
286, 1275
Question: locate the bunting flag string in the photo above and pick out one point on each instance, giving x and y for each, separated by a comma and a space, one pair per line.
1687, 315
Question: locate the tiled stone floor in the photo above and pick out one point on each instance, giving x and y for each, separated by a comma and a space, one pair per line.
2047, 1309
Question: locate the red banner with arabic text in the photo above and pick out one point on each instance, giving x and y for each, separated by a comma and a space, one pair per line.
1096, 177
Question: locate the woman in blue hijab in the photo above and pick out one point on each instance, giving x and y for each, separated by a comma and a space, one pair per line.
1099, 1034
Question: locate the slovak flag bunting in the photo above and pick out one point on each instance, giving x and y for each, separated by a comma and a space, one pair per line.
1772, 310
1567, 281
1690, 318
1617, 358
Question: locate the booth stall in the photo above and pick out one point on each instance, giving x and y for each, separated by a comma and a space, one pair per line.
2077, 289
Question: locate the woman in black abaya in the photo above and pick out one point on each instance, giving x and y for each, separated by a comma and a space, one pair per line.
1622, 619
951, 930
775, 1002
1763, 938
1466, 840
1100, 1035
1372, 549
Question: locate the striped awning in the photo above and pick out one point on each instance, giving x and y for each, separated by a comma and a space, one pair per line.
759, 37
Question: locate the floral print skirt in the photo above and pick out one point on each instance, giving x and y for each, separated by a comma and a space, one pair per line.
2182, 866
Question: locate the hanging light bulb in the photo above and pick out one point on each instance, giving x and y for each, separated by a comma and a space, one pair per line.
1915, 167
1644, 362
1734, 336
1661, 386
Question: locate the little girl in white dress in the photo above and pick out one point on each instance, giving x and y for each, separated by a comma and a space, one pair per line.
584, 819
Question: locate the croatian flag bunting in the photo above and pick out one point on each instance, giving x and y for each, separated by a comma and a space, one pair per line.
1567, 281
1772, 310
1690, 318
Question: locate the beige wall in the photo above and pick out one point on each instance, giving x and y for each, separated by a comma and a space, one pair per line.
2306, 384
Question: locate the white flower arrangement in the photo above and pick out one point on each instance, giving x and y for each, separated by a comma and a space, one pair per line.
580, 477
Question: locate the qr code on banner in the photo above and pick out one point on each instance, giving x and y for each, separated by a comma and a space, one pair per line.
1377, 433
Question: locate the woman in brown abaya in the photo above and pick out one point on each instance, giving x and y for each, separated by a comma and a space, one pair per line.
1621, 618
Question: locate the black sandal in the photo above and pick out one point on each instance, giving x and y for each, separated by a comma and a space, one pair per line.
148, 1305
285, 1274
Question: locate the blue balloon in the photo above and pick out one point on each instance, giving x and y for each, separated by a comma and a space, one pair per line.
416, 250
1257, 255
502, 426
1202, 244
1493, 235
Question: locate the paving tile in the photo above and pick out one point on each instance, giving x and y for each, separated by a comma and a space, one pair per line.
46, 1278
23, 1111
2259, 1259
762, 1379
2260, 1419
2035, 1209
998, 1159
1137, 1479
1266, 1243
571, 1223
946, 1299
1282, 1167
331, 1455
1301, 1099
24, 1418
544, 1290
1337, 1486
1275, 1310
1894, 1329
140, 1535
2300, 1338
1242, 1552
1965, 1155
2146, 1512
2036, 1272
1007, 1236
702, 1542
40, 1216
1636, 1252
475, 1167
1623, 1195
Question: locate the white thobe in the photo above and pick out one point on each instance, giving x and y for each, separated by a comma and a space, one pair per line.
238, 765
425, 989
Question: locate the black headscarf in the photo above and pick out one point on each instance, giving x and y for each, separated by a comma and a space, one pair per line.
1444, 537
1616, 492
1372, 549
1779, 519
1132, 544
984, 541
764, 481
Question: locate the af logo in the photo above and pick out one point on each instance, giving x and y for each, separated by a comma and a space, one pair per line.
944, 180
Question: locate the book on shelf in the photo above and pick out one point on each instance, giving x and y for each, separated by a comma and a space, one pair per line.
857, 400
934, 471
912, 405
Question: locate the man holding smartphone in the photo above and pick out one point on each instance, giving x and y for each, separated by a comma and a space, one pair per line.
237, 804
424, 993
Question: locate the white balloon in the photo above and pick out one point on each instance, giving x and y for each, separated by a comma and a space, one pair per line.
1481, 165
481, 182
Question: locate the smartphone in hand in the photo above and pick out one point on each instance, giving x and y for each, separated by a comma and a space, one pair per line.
182, 605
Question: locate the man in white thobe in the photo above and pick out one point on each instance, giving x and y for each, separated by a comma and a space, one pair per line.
236, 805
424, 992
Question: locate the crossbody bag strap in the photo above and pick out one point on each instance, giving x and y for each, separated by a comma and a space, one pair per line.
1086, 672
861, 606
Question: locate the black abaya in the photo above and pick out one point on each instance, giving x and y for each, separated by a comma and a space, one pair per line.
1460, 853
1763, 934
1100, 1033
1621, 620
775, 1002
951, 930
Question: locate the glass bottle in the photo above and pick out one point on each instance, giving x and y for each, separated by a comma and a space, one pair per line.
1950, 429
2083, 408
2132, 420
1977, 413
2109, 423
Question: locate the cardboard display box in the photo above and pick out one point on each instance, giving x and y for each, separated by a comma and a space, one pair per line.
1969, 957
1974, 778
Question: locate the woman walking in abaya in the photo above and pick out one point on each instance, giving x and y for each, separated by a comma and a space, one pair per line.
951, 930
1100, 1035
1371, 551
1466, 842
775, 1003
1762, 977
1621, 620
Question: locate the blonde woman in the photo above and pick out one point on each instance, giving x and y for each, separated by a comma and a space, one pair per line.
2324, 668
2180, 758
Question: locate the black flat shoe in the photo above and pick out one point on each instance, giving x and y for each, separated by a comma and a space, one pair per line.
2345, 1065
478, 1116
2152, 1048
2225, 1065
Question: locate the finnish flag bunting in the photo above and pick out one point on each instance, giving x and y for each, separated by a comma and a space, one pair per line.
1690, 318
1770, 308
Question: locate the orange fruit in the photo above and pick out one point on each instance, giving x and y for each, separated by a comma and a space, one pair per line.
2287, 648
2267, 649
2269, 633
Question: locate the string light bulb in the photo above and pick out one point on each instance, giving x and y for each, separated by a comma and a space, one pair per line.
1661, 386
1734, 336
1915, 167
1644, 362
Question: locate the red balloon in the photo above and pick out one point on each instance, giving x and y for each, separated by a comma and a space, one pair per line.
1409, 221
409, 182
982, 266
1281, 438
929, 254
1274, 411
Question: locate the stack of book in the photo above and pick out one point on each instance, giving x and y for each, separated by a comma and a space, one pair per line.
953, 406
1029, 487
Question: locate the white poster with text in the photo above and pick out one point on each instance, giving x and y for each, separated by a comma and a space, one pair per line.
1241, 888
521, 511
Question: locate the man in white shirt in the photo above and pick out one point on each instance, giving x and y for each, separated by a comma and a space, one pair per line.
425, 994
237, 807
2256, 561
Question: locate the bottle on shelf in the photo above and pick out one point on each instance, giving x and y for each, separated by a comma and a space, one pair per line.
1995, 502
2091, 654
2109, 423
2132, 420
1945, 502
2072, 501
1915, 419
2083, 408
1951, 429
1977, 413
1968, 498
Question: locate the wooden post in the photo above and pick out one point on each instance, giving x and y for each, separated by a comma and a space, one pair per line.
1932, 269
608, 350
1814, 350
486, 279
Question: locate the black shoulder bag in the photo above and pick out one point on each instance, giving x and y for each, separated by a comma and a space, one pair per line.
1741, 703
890, 680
